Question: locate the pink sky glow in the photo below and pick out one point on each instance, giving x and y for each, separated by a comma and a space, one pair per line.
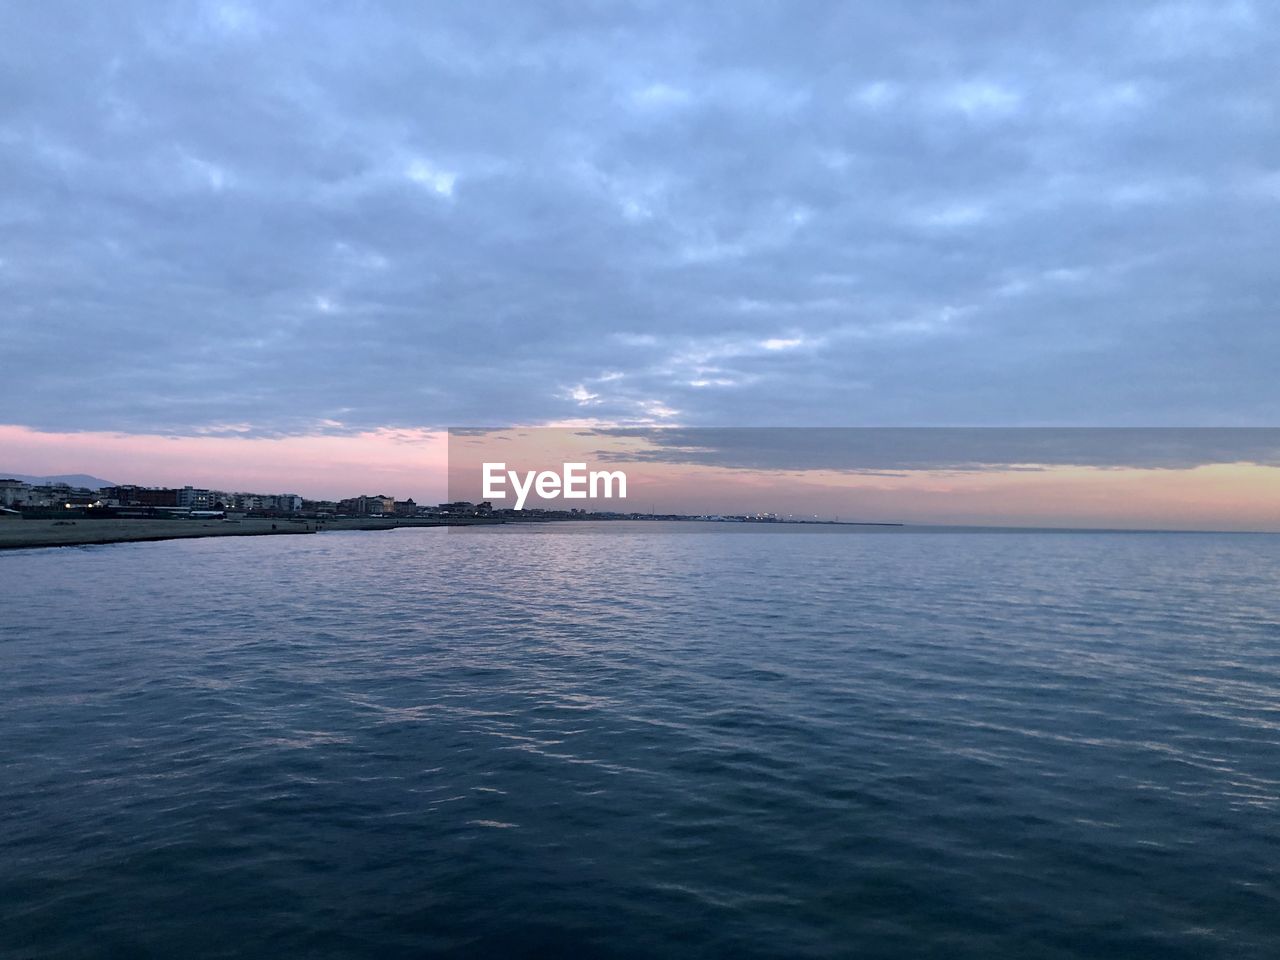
399, 463
414, 463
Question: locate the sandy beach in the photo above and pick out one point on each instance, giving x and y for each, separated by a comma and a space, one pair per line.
17, 534
21, 534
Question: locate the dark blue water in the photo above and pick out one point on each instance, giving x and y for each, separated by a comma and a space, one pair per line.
429, 743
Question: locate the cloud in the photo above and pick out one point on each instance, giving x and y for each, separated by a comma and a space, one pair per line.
425, 174
989, 213
982, 99
892, 450
661, 96
876, 95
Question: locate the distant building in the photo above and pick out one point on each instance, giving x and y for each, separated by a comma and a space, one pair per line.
367, 506
266, 502
14, 493
195, 498
53, 495
17, 494
129, 495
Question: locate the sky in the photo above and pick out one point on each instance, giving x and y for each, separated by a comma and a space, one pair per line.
1144, 478
231, 233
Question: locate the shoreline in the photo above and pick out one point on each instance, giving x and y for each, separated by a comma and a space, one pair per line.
30, 534
81, 532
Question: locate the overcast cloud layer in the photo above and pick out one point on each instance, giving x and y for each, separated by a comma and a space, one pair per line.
894, 450
291, 217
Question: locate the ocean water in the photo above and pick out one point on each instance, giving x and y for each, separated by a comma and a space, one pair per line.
519, 744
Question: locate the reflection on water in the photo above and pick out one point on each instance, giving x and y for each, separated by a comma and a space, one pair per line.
429, 742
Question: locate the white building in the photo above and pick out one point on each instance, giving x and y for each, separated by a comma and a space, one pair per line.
268, 502
195, 498
14, 493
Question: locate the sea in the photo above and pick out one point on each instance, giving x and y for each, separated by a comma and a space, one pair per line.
636, 742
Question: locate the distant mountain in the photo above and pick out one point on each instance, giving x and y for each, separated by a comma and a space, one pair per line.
70, 479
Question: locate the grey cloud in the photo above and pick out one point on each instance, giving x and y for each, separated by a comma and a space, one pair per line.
994, 213
888, 449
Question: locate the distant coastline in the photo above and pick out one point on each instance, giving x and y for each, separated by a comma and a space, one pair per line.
38, 533
20, 533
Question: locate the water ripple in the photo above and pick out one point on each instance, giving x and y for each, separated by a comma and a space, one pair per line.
510, 743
